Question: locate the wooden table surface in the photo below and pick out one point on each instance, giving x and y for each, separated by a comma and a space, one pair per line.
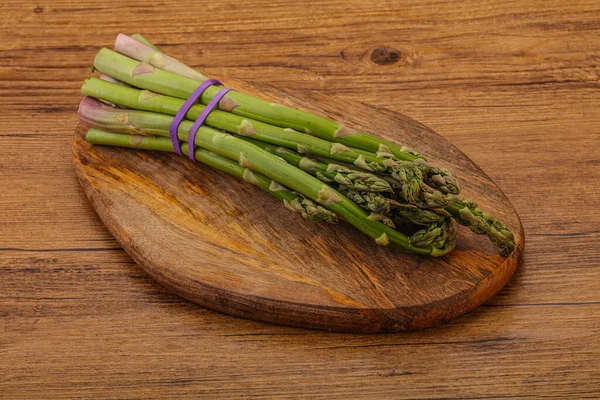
515, 85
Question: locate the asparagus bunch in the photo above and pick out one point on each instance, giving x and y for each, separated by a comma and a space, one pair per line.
390, 192
404, 175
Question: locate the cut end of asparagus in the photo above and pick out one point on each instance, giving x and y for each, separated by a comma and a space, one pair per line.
142, 39
91, 111
140, 49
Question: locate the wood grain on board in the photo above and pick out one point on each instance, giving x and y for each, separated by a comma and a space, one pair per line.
514, 85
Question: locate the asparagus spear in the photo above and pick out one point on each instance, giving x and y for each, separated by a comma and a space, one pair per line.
408, 176
147, 101
142, 122
291, 200
467, 213
259, 160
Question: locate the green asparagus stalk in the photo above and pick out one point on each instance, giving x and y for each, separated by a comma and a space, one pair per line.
146, 76
291, 200
259, 160
142, 122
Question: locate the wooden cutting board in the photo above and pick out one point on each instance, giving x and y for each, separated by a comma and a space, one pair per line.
228, 246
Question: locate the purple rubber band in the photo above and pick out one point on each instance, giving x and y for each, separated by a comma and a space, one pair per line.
209, 107
184, 110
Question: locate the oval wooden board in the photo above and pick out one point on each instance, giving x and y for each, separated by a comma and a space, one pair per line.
228, 246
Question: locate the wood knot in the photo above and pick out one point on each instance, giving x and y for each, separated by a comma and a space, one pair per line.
38, 10
385, 56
